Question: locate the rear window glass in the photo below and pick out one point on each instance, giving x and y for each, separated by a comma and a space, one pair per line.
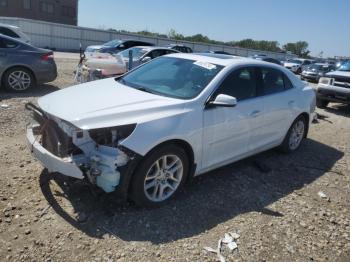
8, 32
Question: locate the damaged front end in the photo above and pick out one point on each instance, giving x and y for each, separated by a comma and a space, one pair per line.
93, 154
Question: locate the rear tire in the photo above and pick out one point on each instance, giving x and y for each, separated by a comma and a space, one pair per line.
18, 79
295, 135
156, 181
320, 103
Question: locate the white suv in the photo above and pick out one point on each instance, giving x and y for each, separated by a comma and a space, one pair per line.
145, 133
14, 32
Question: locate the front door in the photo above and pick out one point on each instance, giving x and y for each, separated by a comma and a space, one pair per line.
228, 132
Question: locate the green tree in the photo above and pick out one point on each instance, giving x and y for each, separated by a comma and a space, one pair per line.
299, 48
174, 35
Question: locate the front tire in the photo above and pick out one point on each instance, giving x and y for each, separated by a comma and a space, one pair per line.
18, 79
320, 103
295, 135
160, 176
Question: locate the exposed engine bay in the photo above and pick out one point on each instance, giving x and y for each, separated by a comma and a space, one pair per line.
95, 152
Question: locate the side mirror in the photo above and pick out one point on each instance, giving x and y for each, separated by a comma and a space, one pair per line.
224, 100
146, 59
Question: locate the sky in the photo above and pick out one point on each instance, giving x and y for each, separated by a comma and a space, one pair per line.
325, 25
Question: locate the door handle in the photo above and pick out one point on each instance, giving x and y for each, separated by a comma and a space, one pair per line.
255, 113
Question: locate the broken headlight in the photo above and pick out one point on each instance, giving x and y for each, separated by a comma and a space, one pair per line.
110, 136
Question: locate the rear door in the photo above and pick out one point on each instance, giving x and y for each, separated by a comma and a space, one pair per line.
280, 97
230, 132
7, 53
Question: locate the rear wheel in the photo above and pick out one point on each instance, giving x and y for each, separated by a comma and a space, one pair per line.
321, 103
295, 135
18, 79
160, 176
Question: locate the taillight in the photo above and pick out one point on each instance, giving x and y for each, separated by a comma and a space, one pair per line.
47, 57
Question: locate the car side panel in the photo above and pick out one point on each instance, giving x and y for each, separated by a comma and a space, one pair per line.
186, 126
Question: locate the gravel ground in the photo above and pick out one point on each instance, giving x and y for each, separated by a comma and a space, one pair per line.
284, 207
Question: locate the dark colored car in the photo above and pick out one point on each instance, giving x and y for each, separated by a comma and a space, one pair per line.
116, 46
181, 48
267, 59
315, 71
22, 65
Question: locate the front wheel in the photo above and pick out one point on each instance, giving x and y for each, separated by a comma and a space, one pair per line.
160, 176
295, 135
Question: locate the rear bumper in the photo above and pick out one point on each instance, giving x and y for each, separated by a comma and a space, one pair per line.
47, 73
65, 166
333, 93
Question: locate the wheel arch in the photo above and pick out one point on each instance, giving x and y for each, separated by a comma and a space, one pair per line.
307, 119
178, 142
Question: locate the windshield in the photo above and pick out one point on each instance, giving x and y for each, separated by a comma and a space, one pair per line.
172, 77
315, 67
345, 67
295, 61
112, 43
137, 53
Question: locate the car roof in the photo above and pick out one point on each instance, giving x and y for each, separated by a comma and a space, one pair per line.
9, 26
223, 60
150, 48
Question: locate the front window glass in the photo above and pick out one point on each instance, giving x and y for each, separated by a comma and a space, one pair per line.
172, 77
240, 84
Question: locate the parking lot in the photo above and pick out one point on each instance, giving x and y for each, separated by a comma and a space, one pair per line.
284, 207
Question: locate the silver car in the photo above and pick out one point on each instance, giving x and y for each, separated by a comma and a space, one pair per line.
22, 66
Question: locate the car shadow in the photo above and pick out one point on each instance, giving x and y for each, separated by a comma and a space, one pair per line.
339, 109
216, 197
37, 91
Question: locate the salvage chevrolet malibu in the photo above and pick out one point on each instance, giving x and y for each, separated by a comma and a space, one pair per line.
145, 133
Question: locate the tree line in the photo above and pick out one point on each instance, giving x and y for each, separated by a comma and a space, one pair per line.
299, 48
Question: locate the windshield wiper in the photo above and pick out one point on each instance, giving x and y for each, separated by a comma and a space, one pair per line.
145, 90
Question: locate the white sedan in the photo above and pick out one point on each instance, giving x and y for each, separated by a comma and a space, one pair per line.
145, 133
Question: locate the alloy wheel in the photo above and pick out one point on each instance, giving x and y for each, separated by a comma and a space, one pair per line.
297, 134
19, 80
163, 178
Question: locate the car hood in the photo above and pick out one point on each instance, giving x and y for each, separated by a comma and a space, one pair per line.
94, 47
339, 73
107, 103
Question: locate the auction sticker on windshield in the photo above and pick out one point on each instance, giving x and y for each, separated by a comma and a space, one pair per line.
205, 65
